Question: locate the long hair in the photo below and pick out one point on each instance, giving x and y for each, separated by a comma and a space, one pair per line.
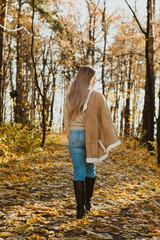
78, 91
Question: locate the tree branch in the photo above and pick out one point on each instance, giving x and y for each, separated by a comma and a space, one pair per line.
95, 8
143, 31
32, 54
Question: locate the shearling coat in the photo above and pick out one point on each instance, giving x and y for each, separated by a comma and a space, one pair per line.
100, 133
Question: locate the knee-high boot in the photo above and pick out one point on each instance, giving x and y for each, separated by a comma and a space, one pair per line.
89, 186
80, 198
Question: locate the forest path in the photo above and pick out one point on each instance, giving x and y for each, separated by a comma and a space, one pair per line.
37, 198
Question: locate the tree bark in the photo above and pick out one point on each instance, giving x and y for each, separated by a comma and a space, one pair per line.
127, 107
91, 33
134, 111
93, 40
104, 46
32, 107
122, 121
115, 113
52, 102
158, 133
43, 119
149, 103
43, 96
2, 18
18, 110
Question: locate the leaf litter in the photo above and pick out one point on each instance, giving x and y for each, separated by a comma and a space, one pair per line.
37, 197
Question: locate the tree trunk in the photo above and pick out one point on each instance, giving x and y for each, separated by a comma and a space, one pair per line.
2, 18
89, 39
43, 120
127, 108
122, 121
122, 77
32, 110
93, 40
134, 111
115, 113
52, 102
149, 104
158, 133
104, 47
91, 33
19, 85
43, 96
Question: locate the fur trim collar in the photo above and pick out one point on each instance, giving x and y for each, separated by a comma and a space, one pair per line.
87, 99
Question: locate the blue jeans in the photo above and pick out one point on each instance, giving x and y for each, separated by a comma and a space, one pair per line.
77, 151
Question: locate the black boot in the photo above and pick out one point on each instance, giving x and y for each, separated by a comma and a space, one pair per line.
89, 186
80, 198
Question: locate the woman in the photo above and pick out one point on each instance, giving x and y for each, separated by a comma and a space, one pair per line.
91, 134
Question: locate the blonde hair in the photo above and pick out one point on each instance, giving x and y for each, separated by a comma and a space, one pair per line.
78, 91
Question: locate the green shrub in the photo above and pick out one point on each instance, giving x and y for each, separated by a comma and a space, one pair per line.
18, 139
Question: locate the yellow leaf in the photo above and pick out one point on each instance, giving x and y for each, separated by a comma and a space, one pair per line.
95, 213
63, 226
59, 235
22, 165
31, 220
22, 228
54, 213
44, 231
155, 233
85, 222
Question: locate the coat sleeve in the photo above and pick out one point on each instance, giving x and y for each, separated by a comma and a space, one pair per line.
66, 119
109, 133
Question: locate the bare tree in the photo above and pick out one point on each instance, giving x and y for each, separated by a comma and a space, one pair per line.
2, 18
18, 109
104, 29
149, 104
92, 7
43, 95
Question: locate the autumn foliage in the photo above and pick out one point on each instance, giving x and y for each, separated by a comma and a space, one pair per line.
42, 45
37, 199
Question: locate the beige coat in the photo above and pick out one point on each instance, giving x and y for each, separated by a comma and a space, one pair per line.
100, 133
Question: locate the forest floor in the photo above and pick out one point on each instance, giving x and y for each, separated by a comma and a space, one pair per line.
37, 198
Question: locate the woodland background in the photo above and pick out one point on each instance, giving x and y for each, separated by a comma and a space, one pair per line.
42, 46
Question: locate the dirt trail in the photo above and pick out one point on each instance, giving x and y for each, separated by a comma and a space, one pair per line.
37, 199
